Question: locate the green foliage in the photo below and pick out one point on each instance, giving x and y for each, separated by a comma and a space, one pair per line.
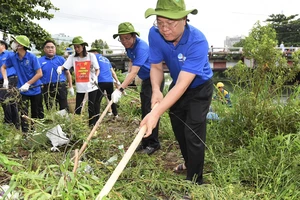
4, 161
256, 142
241, 43
287, 28
120, 75
269, 71
17, 19
100, 44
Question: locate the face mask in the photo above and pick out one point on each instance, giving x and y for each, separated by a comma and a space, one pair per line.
14, 46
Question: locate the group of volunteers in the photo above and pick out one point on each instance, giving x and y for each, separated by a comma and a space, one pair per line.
171, 41
49, 78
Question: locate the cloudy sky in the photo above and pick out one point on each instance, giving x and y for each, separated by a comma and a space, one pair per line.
99, 19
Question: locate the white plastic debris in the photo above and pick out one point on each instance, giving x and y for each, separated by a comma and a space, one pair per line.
212, 116
13, 195
111, 159
63, 113
121, 148
87, 168
57, 137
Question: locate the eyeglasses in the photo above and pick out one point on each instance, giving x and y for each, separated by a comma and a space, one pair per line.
169, 24
124, 39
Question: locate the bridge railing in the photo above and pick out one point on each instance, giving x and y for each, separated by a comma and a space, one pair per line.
222, 50
212, 50
233, 50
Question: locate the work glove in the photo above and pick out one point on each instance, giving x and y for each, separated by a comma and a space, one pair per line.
71, 90
5, 83
25, 87
116, 95
59, 70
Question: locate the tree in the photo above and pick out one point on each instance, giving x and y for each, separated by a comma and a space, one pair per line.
17, 15
260, 86
270, 69
287, 28
61, 48
240, 43
100, 44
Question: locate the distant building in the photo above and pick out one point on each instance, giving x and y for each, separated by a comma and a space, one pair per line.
61, 37
230, 41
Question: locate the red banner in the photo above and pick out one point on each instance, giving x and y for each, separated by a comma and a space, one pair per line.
82, 71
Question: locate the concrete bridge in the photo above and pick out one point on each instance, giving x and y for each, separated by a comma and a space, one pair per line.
220, 58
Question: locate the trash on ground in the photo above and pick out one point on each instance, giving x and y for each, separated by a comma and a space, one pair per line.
63, 113
12, 195
212, 116
111, 159
57, 137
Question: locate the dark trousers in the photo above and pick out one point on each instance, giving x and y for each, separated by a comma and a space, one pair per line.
55, 93
109, 88
145, 95
93, 113
188, 119
9, 102
36, 107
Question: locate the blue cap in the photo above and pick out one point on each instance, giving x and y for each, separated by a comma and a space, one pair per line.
69, 50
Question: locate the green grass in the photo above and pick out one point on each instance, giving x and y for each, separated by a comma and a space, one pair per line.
239, 164
253, 152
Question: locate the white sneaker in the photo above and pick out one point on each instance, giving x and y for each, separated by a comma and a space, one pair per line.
109, 114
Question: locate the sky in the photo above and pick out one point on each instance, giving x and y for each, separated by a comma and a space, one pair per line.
99, 19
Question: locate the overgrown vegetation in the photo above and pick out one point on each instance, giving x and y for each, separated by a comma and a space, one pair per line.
253, 152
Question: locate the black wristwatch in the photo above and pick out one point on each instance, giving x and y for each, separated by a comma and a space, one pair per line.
121, 89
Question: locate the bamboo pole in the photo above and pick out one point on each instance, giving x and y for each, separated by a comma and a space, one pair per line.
115, 175
122, 164
93, 130
76, 161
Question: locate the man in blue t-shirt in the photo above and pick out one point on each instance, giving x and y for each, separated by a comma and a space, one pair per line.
105, 81
184, 49
7, 97
54, 85
138, 53
29, 72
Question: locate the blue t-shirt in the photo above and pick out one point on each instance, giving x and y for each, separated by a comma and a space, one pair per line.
10, 71
49, 67
139, 56
189, 55
26, 69
105, 75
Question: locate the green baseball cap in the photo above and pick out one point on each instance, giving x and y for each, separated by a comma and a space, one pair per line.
94, 49
22, 40
78, 40
125, 28
171, 9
